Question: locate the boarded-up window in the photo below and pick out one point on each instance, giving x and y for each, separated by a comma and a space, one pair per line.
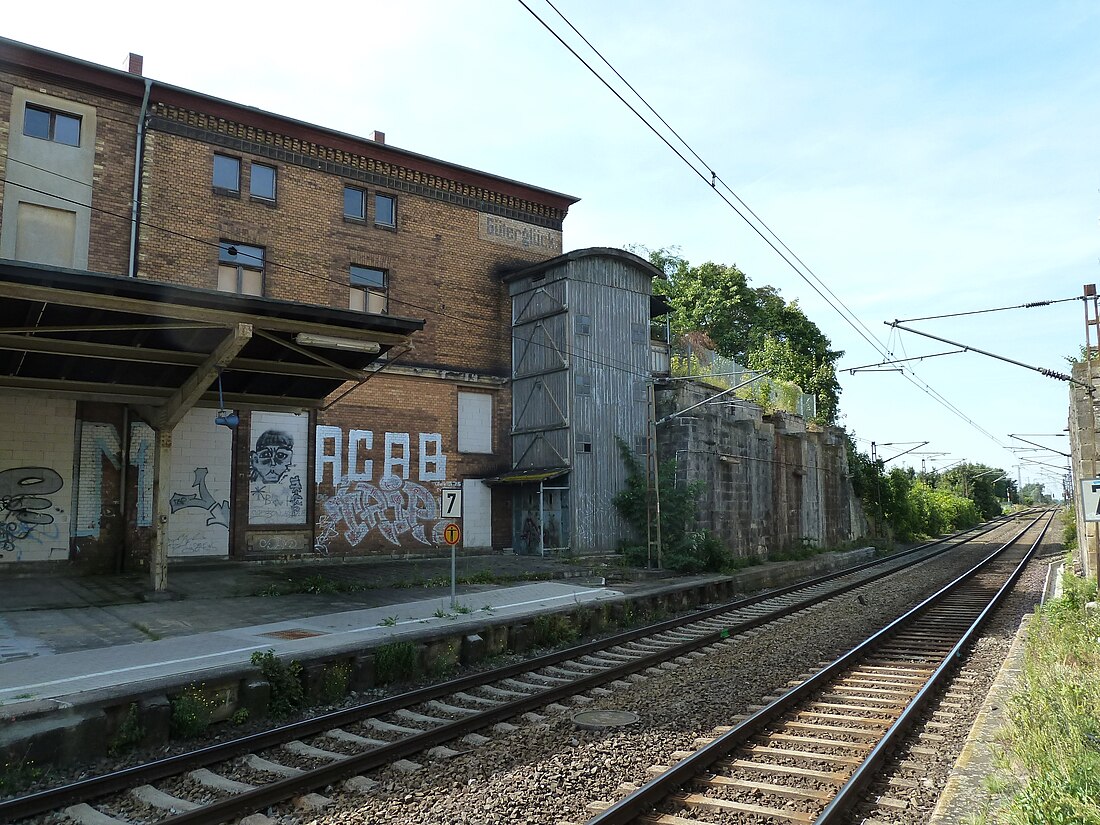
477, 513
45, 235
475, 422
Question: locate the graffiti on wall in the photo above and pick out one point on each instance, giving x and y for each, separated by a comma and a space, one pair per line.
276, 495
398, 506
100, 442
24, 507
202, 500
353, 465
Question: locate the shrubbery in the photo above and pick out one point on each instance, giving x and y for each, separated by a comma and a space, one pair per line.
683, 549
904, 506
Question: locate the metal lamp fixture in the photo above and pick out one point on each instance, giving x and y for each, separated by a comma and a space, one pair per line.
226, 418
330, 342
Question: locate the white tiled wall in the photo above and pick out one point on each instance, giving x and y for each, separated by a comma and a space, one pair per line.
201, 528
37, 432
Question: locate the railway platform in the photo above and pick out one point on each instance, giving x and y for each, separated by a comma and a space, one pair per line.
75, 652
63, 635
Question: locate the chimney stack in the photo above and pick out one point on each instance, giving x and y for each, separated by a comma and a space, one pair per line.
136, 62
378, 137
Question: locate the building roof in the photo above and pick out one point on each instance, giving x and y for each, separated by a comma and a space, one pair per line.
98, 77
590, 252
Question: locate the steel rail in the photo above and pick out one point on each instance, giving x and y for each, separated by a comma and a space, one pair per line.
647, 797
122, 780
865, 773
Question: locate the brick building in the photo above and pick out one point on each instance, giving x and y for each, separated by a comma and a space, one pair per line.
230, 333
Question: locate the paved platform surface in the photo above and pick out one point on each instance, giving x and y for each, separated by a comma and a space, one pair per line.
61, 635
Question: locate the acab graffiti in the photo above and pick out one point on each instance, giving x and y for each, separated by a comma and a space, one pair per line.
396, 506
23, 504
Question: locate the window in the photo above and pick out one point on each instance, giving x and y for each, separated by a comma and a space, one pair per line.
584, 443
49, 125
385, 210
45, 235
227, 173
583, 384
368, 289
582, 324
475, 422
261, 184
240, 268
355, 203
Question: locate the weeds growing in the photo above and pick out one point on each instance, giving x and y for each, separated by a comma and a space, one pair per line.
1049, 770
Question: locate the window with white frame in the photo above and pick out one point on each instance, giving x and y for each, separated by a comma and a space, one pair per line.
227, 173
51, 125
261, 182
368, 289
475, 422
240, 268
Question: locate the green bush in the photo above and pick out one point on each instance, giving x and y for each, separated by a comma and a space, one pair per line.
130, 732
190, 714
683, 548
396, 662
335, 682
551, 630
287, 694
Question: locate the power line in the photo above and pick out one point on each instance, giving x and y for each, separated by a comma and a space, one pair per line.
611, 363
1029, 305
860, 328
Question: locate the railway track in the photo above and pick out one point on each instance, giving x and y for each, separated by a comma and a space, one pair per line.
809, 756
232, 779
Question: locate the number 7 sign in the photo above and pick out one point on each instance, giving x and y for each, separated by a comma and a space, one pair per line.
450, 503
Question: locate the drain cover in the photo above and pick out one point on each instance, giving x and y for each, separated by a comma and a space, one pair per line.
292, 634
600, 719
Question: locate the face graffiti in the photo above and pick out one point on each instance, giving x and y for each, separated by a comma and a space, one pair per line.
272, 457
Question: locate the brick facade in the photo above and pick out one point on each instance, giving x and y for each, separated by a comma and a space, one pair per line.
456, 231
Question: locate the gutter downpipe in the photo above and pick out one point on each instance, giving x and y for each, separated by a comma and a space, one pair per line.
139, 155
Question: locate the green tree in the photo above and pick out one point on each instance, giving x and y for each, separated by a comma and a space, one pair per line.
753, 325
982, 484
1033, 493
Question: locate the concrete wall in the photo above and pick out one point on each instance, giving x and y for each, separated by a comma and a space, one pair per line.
1085, 461
770, 482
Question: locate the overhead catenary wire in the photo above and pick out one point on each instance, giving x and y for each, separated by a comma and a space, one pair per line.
1028, 305
711, 179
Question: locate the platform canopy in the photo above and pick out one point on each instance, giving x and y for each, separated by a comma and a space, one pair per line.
162, 347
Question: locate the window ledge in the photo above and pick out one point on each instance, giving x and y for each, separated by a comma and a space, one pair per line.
228, 193
269, 202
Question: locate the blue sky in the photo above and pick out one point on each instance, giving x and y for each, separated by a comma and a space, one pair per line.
920, 158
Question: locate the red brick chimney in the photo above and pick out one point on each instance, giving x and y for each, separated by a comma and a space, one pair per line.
378, 137
135, 66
